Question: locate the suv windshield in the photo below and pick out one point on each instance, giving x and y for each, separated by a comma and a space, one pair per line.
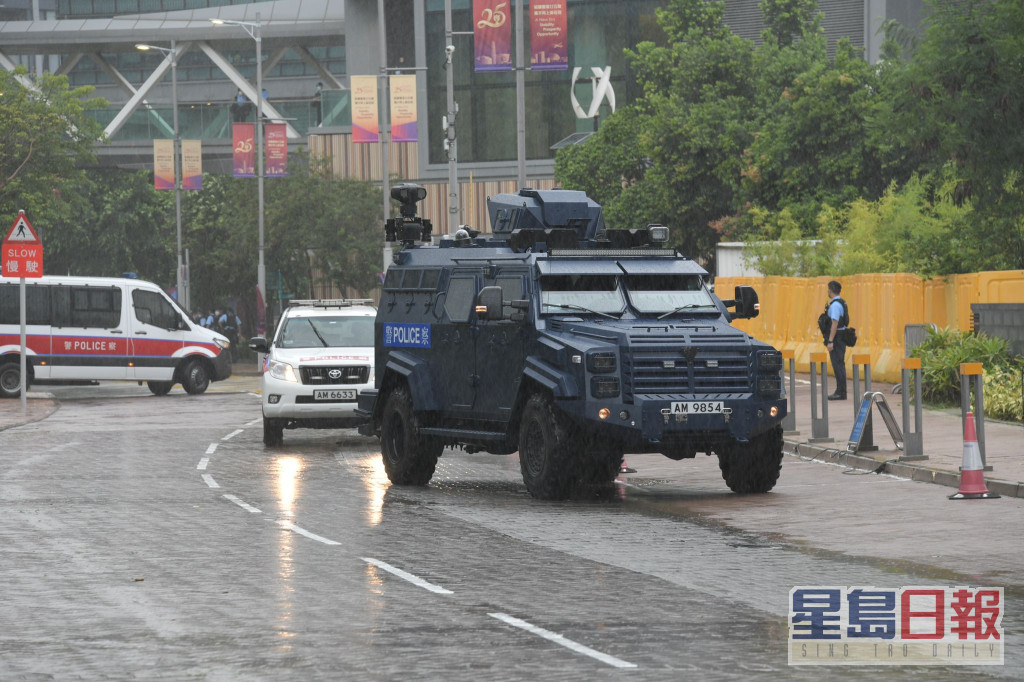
320, 332
664, 293
571, 293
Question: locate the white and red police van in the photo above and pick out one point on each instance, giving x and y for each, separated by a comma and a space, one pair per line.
105, 328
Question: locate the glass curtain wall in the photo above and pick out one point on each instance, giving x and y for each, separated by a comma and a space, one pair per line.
599, 31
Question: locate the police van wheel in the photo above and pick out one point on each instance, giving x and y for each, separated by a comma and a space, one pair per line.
10, 380
546, 454
273, 431
755, 467
409, 459
195, 378
160, 387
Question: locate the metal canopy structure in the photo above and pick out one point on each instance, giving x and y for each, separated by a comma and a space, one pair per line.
290, 24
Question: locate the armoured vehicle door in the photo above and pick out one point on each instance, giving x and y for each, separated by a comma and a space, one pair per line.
500, 353
456, 343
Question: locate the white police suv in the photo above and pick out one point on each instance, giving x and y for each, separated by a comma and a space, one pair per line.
319, 360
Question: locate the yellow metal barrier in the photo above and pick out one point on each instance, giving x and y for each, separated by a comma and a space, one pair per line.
881, 305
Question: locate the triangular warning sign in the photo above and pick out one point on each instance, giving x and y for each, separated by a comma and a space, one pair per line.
21, 231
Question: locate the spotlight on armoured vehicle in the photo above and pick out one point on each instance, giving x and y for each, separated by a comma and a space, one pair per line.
409, 228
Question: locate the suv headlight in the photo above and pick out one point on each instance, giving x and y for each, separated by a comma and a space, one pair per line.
282, 370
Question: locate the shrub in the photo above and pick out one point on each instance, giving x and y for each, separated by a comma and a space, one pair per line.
942, 353
1003, 393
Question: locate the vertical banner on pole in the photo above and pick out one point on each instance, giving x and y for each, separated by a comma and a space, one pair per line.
492, 35
277, 150
163, 164
365, 116
191, 164
548, 35
403, 108
243, 149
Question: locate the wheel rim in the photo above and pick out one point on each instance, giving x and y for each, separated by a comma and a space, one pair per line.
396, 438
10, 380
532, 448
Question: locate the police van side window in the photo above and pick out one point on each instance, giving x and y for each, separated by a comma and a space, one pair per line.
152, 308
37, 304
96, 307
459, 301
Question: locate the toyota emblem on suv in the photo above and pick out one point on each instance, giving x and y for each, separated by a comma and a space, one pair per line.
334, 374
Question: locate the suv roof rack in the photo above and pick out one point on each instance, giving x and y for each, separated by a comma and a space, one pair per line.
330, 302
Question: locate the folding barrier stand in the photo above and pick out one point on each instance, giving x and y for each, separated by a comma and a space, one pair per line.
819, 426
877, 398
972, 371
913, 444
867, 441
789, 421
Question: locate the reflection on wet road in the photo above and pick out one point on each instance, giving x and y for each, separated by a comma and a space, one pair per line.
339, 575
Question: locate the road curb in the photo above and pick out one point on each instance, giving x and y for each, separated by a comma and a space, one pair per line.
950, 479
48, 410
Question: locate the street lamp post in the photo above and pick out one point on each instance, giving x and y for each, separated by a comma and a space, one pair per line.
254, 31
173, 55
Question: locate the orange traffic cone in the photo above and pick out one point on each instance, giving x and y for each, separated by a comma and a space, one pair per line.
972, 474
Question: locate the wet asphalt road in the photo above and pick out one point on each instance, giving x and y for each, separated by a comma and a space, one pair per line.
156, 538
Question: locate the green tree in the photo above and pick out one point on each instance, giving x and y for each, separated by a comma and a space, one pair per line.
789, 20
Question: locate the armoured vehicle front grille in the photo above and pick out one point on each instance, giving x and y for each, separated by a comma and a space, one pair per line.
322, 376
662, 365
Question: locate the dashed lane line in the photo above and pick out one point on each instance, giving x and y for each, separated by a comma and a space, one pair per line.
254, 422
247, 507
232, 434
288, 525
208, 479
563, 641
212, 449
202, 464
415, 580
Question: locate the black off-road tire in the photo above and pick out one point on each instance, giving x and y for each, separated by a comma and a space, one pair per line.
409, 458
273, 431
160, 387
547, 453
10, 380
598, 463
754, 467
195, 377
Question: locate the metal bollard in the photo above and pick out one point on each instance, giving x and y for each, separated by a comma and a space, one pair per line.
974, 371
819, 427
867, 441
789, 421
913, 442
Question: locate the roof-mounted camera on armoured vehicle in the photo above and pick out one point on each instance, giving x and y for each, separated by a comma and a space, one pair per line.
409, 228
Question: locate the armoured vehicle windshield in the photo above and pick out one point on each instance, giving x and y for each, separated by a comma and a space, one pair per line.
599, 294
664, 293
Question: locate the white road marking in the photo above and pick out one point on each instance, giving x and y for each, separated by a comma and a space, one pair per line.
254, 422
803, 381
559, 639
232, 434
419, 582
212, 449
247, 507
621, 482
209, 481
202, 463
302, 531
257, 395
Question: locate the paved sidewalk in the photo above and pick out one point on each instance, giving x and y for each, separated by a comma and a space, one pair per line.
941, 435
37, 406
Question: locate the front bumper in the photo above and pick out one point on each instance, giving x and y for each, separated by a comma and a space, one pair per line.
222, 366
295, 401
647, 421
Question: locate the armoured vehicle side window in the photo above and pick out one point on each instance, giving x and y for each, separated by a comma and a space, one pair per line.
430, 279
412, 279
459, 301
393, 280
511, 290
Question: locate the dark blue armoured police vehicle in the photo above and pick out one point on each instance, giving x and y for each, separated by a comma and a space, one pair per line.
569, 342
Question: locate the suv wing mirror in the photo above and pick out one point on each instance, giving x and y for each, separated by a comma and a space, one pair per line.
490, 303
259, 344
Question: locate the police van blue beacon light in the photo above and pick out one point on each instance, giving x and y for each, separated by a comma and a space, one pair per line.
566, 341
